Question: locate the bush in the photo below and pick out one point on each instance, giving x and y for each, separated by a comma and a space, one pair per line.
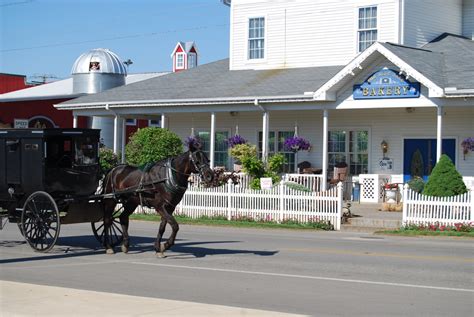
444, 180
416, 184
242, 151
152, 144
107, 159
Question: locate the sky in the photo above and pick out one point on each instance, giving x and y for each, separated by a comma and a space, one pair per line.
43, 38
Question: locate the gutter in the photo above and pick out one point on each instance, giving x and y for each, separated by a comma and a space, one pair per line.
453, 92
33, 98
186, 102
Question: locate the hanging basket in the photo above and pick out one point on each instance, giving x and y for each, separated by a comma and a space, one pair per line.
296, 143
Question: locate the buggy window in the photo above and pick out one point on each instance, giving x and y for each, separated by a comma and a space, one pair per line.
85, 151
58, 152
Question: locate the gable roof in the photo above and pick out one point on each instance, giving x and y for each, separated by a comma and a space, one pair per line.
212, 83
447, 61
185, 46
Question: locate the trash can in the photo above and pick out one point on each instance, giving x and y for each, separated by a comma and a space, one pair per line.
356, 191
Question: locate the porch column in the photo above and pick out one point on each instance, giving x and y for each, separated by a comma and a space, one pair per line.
212, 139
325, 150
116, 133
163, 122
265, 131
74, 121
123, 141
439, 134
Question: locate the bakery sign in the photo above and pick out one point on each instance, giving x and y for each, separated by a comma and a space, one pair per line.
386, 84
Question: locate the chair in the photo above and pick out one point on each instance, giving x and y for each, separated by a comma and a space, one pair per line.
302, 166
340, 174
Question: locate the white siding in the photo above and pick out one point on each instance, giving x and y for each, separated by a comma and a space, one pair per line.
426, 20
468, 19
305, 33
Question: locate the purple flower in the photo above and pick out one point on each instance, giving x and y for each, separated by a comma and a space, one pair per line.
296, 144
235, 140
193, 141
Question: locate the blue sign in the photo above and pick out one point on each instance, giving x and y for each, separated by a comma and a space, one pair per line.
386, 84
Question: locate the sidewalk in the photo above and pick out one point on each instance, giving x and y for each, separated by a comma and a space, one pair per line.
19, 299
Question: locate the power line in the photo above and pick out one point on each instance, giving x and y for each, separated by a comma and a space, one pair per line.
114, 38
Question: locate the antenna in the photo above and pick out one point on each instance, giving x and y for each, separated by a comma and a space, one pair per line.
128, 62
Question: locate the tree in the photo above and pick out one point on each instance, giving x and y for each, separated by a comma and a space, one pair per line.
152, 144
417, 167
444, 180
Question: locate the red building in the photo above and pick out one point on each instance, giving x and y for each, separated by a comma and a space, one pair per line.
12, 82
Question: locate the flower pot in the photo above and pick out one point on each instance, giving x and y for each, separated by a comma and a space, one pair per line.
391, 196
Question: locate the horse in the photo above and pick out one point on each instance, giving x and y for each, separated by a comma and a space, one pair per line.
160, 185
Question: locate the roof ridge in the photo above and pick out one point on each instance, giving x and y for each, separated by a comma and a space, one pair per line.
410, 47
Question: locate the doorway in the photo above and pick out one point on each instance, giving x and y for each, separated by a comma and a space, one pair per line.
420, 156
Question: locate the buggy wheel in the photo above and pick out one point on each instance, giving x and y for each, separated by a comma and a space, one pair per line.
40, 221
115, 230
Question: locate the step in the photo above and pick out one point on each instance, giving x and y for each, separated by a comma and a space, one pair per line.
374, 223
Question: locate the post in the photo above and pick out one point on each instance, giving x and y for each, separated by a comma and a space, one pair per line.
212, 140
439, 134
282, 199
265, 132
337, 225
74, 122
116, 134
405, 205
472, 205
163, 121
325, 150
229, 198
123, 141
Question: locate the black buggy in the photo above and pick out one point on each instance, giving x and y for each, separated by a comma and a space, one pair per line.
49, 177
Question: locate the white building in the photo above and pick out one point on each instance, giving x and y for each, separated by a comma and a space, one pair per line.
349, 76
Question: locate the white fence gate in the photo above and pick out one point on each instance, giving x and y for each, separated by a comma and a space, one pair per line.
421, 209
278, 204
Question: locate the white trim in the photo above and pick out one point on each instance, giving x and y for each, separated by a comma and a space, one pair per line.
184, 60
154, 125
265, 37
324, 93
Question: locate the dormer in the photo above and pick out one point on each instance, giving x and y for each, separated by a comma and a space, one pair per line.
185, 56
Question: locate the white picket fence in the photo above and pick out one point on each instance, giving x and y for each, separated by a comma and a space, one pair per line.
422, 209
279, 204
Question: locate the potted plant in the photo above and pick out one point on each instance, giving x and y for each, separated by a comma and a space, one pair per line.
235, 140
296, 143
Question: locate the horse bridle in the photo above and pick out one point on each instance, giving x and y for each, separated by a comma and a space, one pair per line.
199, 167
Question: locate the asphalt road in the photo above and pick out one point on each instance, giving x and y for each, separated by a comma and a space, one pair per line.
301, 272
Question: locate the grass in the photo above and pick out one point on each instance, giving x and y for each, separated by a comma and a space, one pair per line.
413, 233
240, 223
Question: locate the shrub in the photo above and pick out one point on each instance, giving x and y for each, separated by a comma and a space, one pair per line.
416, 184
151, 145
107, 159
444, 180
241, 151
417, 166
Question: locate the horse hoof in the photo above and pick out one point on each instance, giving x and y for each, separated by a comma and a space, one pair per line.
110, 251
124, 249
161, 255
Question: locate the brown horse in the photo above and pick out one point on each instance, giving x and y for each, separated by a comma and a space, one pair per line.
161, 186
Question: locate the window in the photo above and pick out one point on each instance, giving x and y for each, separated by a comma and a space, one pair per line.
350, 147
221, 156
132, 122
180, 60
367, 27
278, 143
256, 38
156, 123
192, 60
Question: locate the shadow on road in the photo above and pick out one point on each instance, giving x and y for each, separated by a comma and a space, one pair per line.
81, 246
